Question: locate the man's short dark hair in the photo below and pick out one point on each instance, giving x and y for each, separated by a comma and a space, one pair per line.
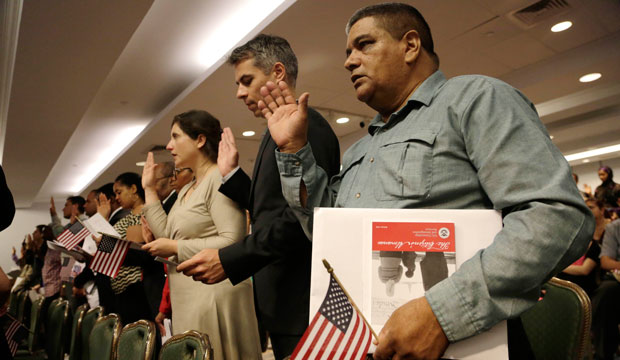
107, 190
166, 169
397, 19
79, 201
267, 50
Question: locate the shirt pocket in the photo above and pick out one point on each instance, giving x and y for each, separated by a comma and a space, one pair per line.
404, 166
348, 174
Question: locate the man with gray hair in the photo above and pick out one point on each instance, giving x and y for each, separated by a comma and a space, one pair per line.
277, 253
470, 142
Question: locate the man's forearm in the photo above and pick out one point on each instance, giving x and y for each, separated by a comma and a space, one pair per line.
607, 263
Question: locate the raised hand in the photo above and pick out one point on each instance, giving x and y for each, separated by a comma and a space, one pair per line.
287, 120
104, 206
227, 156
52, 207
149, 178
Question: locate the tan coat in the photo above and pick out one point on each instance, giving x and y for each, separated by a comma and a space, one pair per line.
208, 219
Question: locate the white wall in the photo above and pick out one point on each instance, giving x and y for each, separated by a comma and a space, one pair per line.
588, 172
24, 223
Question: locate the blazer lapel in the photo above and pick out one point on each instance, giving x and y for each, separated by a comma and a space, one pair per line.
259, 158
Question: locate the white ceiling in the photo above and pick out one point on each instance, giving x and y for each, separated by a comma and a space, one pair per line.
85, 69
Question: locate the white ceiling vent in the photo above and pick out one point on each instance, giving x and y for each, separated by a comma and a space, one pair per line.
538, 12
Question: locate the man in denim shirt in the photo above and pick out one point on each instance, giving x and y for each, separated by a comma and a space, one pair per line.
471, 142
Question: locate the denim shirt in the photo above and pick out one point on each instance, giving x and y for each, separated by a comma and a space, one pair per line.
471, 142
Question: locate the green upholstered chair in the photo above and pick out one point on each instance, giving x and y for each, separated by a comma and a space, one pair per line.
34, 327
75, 347
137, 341
104, 338
57, 329
89, 320
23, 307
558, 326
191, 345
13, 303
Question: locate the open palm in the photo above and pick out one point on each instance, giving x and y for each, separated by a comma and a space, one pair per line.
287, 120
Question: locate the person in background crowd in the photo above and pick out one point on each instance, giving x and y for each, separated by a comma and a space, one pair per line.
73, 209
584, 194
50, 272
201, 218
104, 295
609, 191
90, 206
605, 300
140, 280
585, 272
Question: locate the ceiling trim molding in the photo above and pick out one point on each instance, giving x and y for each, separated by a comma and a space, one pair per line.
12, 10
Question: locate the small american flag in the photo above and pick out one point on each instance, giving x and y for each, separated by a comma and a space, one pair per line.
73, 235
110, 255
14, 334
337, 331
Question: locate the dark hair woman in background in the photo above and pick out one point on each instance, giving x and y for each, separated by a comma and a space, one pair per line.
140, 280
609, 191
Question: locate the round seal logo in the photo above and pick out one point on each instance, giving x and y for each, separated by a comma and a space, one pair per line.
444, 233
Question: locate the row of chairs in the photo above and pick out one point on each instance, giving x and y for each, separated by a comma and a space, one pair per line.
89, 334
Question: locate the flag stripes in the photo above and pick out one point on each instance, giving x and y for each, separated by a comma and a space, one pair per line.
110, 255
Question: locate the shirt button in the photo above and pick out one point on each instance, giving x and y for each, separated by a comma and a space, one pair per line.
372, 159
358, 195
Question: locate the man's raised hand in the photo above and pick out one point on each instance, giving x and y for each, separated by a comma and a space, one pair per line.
287, 120
227, 156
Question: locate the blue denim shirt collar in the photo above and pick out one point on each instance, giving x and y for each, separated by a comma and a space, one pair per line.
423, 95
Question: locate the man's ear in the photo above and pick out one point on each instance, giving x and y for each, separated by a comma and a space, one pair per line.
279, 72
413, 46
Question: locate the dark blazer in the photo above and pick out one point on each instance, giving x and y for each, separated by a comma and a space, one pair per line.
277, 253
167, 205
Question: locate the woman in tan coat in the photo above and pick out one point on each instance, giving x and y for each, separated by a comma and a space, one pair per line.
201, 218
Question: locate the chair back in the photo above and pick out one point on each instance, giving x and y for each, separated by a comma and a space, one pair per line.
104, 338
558, 326
89, 320
23, 307
191, 345
13, 303
137, 341
35, 324
56, 329
75, 347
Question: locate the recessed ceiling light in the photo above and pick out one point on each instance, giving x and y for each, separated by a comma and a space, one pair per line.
564, 25
141, 163
590, 77
551, 137
248, 133
343, 120
594, 152
586, 160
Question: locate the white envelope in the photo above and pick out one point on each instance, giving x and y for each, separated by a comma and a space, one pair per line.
343, 238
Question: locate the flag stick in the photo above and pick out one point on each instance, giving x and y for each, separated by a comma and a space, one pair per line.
331, 271
19, 322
